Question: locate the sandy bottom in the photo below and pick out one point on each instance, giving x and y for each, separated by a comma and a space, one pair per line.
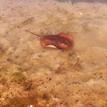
31, 76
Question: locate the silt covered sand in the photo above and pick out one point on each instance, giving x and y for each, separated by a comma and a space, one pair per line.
32, 75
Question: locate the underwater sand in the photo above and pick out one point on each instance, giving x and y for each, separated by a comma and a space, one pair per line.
33, 76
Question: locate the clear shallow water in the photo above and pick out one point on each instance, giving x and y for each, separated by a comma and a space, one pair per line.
22, 58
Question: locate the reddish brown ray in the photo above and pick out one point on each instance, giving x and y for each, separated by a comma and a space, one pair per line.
61, 41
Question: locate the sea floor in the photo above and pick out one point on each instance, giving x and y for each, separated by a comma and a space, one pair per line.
31, 76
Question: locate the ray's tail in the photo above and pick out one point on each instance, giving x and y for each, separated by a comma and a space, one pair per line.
33, 33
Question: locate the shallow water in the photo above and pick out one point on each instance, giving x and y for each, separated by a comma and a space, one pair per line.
24, 61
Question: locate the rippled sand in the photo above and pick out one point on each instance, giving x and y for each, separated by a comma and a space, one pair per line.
31, 75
